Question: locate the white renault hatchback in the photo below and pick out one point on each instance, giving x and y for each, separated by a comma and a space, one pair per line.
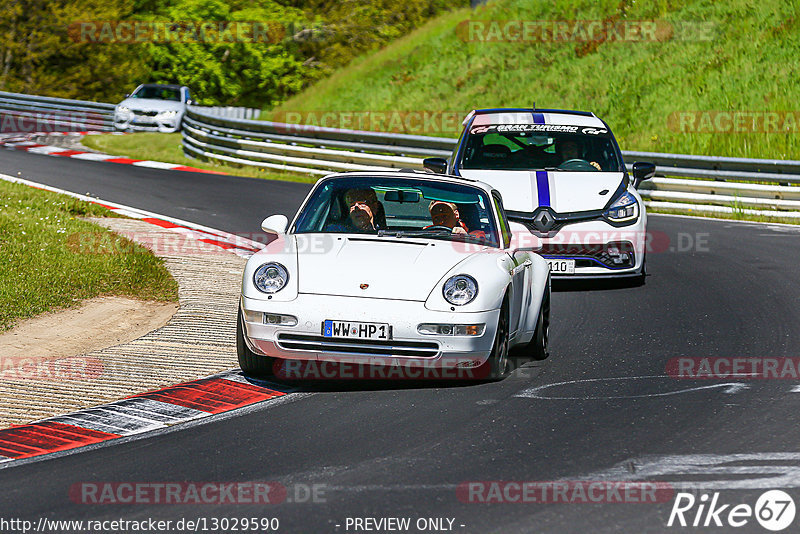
565, 187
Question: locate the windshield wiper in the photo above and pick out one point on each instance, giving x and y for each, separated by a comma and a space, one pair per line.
410, 233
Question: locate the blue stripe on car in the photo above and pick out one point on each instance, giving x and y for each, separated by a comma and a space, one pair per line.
543, 188
538, 118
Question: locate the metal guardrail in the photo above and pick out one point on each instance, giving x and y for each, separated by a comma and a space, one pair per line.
30, 113
716, 181
231, 112
212, 134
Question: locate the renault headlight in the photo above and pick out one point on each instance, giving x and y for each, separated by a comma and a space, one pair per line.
460, 289
270, 278
625, 208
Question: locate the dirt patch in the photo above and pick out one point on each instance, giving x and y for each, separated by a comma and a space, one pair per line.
96, 324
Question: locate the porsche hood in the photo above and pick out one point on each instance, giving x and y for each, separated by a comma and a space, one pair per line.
564, 191
371, 267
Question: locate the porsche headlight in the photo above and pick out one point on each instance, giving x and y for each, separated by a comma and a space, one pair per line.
625, 208
270, 278
460, 289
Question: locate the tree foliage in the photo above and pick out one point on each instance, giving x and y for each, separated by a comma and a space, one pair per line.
40, 53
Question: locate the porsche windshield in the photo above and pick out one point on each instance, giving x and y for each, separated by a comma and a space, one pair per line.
388, 206
533, 147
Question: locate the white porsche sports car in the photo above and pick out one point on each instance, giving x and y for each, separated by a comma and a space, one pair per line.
402, 269
568, 193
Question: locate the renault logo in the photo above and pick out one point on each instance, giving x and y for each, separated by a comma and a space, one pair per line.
364, 286
544, 221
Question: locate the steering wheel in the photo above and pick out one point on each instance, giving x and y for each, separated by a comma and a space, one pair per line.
577, 164
438, 227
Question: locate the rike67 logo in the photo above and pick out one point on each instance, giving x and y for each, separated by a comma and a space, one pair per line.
774, 510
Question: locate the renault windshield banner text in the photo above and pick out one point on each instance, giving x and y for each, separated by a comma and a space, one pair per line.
562, 128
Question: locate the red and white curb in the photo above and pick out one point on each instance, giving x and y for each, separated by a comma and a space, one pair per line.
146, 412
231, 242
25, 143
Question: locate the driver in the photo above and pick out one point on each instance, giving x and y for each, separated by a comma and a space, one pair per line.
569, 150
363, 208
364, 213
446, 214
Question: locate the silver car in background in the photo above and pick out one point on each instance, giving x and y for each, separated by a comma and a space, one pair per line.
153, 107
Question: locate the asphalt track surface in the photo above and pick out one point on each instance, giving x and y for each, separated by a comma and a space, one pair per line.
401, 450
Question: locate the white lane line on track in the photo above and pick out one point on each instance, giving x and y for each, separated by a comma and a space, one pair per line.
20, 143
154, 410
47, 149
537, 392
683, 471
92, 156
245, 247
155, 164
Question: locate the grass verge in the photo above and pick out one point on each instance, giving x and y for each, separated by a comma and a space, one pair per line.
43, 266
737, 215
167, 148
705, 56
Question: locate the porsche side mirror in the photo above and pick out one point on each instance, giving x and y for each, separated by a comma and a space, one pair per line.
437, 165
275, 224
642, 170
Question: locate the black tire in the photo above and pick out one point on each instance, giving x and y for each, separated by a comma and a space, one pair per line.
251, 363
538, 348
499, 359
643, 276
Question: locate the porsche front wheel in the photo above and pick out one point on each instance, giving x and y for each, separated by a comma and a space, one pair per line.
251, 363
499, 357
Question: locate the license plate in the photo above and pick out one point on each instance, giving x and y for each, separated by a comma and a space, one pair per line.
356, 330
562, 266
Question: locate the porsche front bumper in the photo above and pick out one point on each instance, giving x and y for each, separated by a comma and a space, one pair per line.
408, 347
